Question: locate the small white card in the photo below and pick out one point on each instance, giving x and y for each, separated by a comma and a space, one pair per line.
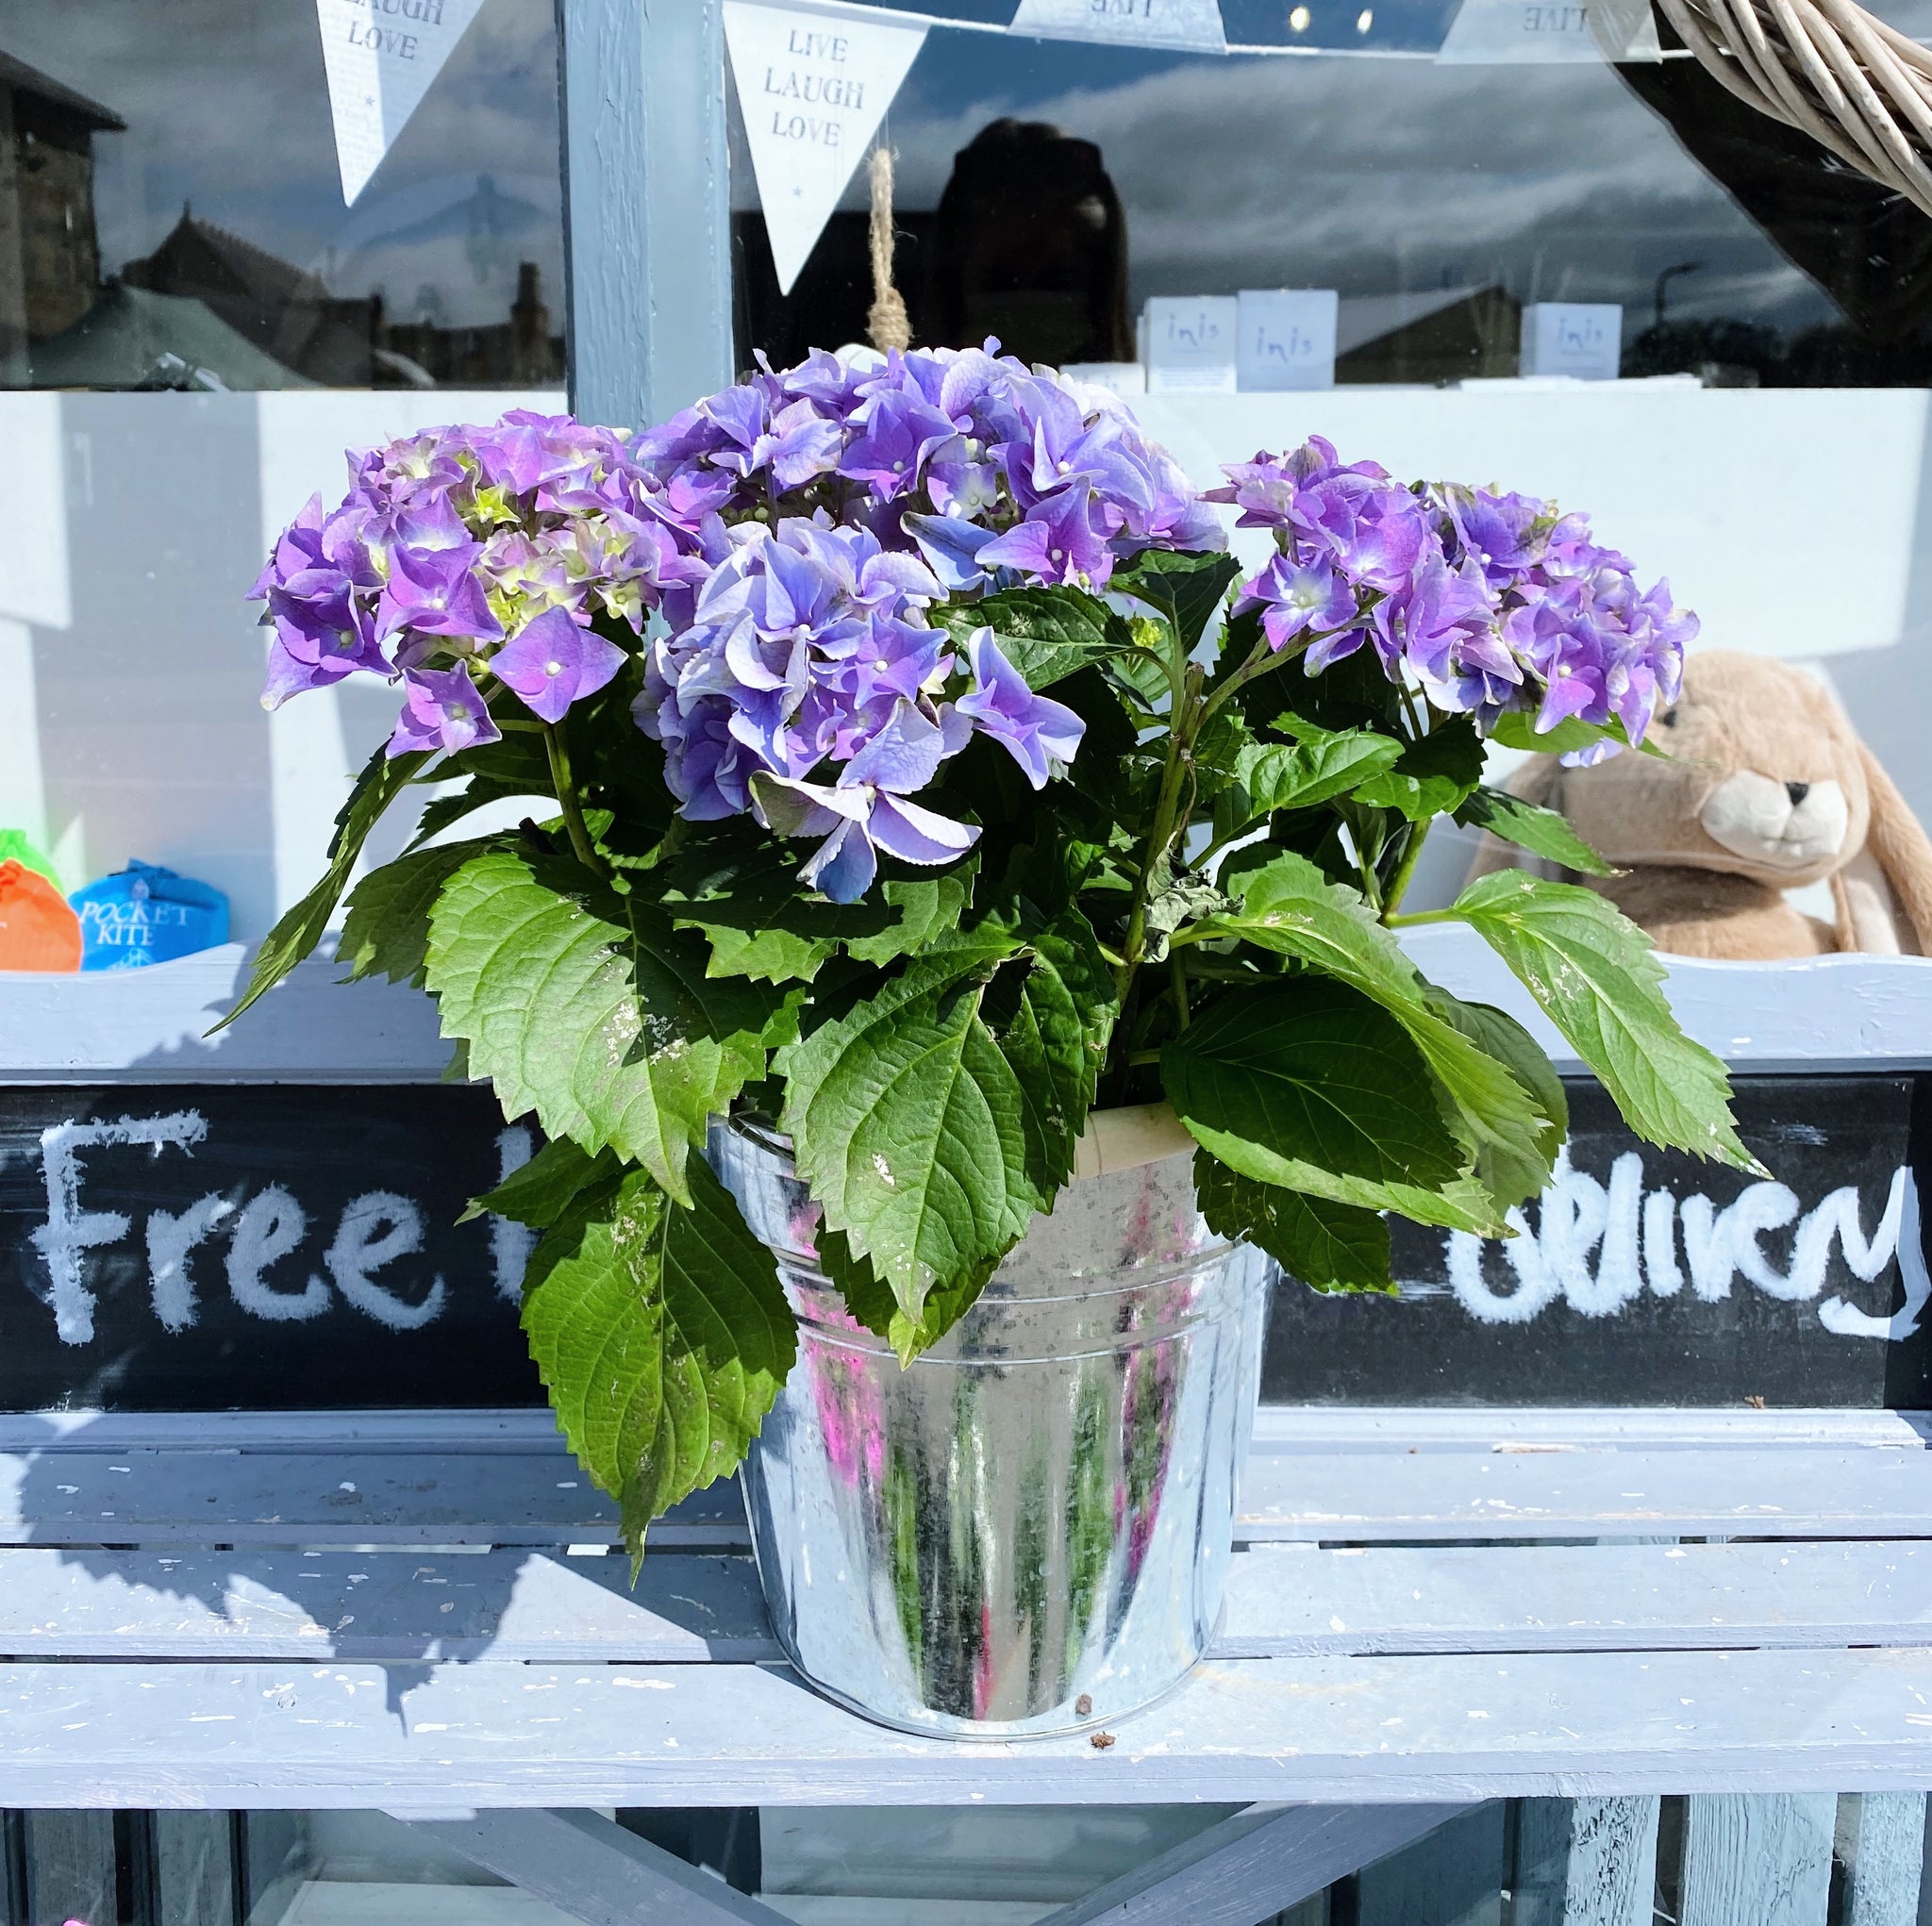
1184, 24
1122, 377
1287, 338
1189, 344
1581, 339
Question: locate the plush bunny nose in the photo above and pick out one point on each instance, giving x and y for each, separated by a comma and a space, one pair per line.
1797, 792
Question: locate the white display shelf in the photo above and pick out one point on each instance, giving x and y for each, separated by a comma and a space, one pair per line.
1868, 1013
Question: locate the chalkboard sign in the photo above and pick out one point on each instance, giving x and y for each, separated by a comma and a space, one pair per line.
261, 1247
1645, 1277
276, 1247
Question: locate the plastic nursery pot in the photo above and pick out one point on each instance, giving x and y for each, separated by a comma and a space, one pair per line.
1026, 1531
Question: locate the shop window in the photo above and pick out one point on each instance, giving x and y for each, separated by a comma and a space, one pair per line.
1048, 189
175, 205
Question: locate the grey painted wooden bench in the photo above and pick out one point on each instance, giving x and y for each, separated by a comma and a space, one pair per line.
1585, 1609
1592, 1611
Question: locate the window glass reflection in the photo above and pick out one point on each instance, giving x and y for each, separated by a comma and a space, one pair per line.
172, 212
1047, 190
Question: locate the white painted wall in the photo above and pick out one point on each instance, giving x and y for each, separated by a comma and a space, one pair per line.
131, 526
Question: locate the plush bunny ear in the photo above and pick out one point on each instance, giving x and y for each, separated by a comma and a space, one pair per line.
1904, 852
1540, 781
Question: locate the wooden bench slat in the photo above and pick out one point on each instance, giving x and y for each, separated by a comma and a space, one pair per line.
1308, 1428
1325, 1729
1422, 1495
540, 1497
512, 1607
268, 1498
1283, 1602
1585, 1598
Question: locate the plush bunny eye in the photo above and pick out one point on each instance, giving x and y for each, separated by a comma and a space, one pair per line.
1668, 719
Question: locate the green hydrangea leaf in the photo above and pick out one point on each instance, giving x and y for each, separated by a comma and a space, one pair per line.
1291, 907
1219, 749
741, 890
1052, 1014
908, 1123
383, 779
1187, 585
1598, 980
1046, 634
1510, 1176
879, 1311
590, 1009
1314, 1086
1320, 765
1326, 1246
1530, 826
387, 929
663, 1336
926, 909
1517, 729
1141, 677
479, 793
539, 1192
1431, 777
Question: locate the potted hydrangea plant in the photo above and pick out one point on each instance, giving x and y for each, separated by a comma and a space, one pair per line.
953, 874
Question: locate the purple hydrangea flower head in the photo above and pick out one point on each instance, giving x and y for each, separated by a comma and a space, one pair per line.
551, 662
1505, 536
1479, 600
801, 444
1057, 543
892, 443
898, 435
1036, 731
1299, 598
1308, 490
318, 619
867, 810
804, 640
442, 708
454, 541
436, 593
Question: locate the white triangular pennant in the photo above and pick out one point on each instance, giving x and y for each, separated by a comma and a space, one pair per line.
812, 89
1193, 23
380, 57
1626, 30
1525, 33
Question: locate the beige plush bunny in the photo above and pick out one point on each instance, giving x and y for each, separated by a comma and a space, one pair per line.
1768, 788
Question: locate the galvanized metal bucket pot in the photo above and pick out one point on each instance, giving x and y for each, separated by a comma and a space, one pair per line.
1027, 1532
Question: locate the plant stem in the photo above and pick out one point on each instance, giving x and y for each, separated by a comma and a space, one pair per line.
1404, 922
1405, 869
1365, 858
1178, 972
1184, 718
567, 798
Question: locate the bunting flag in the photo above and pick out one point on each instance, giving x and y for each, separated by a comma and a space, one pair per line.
812, 89
380, 57
1191, 25
1523, 33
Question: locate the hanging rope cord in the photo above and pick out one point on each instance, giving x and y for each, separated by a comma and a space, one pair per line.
1858, 87
888, 322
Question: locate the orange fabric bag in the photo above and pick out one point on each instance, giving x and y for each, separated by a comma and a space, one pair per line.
38, 930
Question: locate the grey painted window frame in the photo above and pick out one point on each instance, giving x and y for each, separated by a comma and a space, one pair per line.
647, 204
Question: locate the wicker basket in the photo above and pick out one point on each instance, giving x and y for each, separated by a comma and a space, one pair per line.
1857, 85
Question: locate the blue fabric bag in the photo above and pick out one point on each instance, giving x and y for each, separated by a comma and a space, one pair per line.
144, 914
